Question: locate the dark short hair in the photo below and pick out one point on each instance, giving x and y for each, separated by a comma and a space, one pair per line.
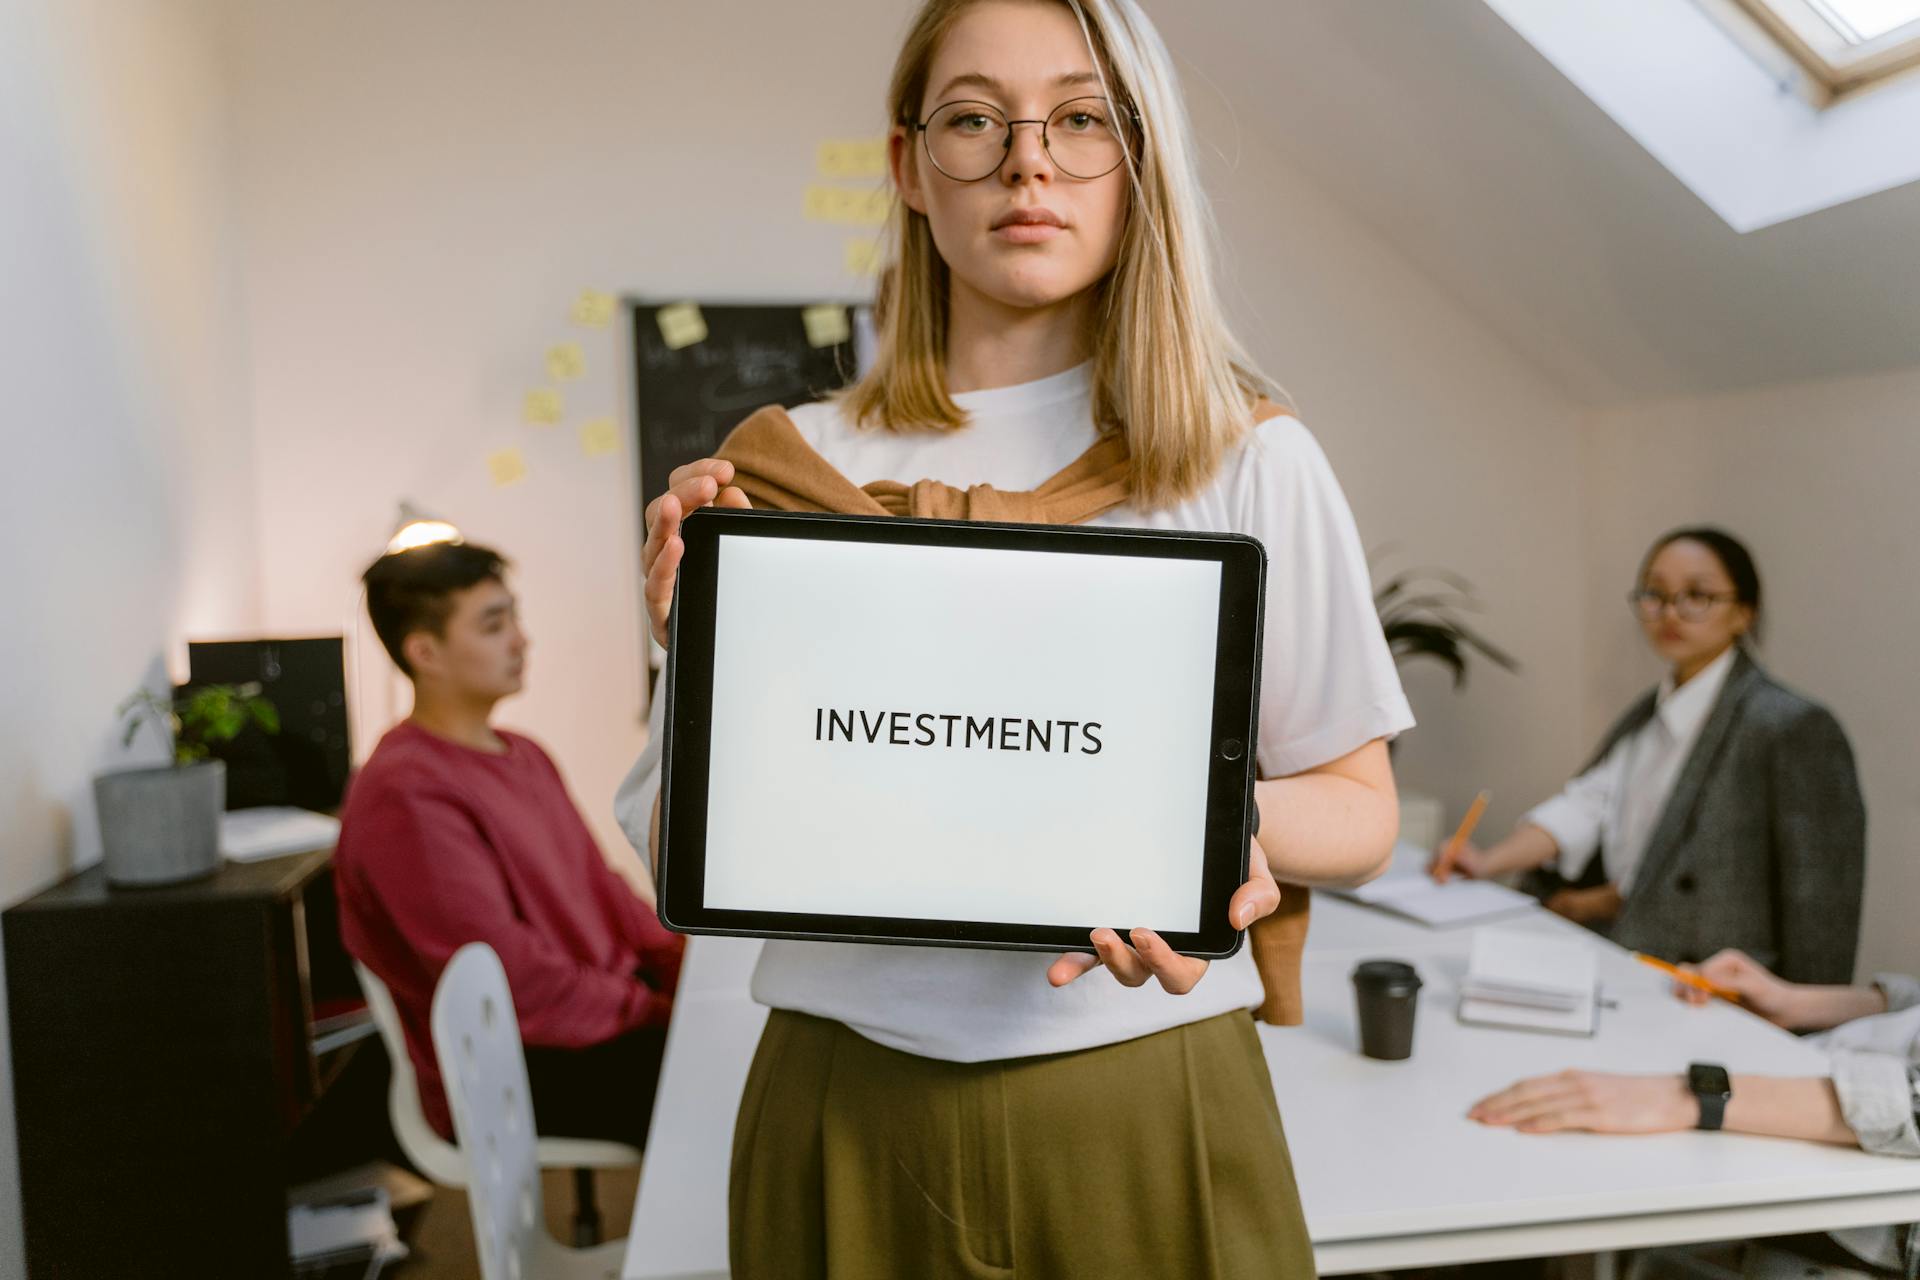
409, 591
1733, 556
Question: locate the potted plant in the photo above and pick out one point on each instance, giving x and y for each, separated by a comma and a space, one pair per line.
1420, 612
161, 825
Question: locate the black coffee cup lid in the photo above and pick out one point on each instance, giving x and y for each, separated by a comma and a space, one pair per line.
1391, 977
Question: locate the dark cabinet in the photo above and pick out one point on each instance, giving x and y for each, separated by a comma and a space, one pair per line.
163, 1063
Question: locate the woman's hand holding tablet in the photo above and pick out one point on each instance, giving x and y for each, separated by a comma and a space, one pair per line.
1149, 956
691, 487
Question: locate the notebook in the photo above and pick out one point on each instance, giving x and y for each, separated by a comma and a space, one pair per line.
1531, 982
1406, 889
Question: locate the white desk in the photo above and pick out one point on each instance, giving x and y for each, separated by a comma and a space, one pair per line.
1391, 1172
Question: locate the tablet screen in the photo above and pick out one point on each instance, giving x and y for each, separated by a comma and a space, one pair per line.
960, 733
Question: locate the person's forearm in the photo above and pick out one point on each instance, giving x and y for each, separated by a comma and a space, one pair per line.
1527, 848
1811, 1008
1325, 829
1782, 1107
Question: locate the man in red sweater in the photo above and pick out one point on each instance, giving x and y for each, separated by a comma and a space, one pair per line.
456, 832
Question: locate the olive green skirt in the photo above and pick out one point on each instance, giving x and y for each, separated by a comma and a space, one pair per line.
1157, 1157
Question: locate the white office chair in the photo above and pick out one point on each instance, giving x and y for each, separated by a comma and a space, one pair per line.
476, 1037
444, 1162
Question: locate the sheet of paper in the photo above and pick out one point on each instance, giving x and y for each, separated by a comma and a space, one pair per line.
543, 406
362, 1229
269, 831
565, 360
681, 325
1408, 890
827, 325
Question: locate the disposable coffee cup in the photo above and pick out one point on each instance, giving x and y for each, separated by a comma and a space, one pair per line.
1386, 992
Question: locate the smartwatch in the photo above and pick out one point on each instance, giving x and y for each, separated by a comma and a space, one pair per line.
1709, 1082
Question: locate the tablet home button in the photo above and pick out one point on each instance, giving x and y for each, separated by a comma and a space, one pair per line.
1230, 749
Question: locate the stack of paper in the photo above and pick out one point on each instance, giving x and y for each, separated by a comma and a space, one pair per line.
1530, 981
1406, 889
359, 1229
248, 835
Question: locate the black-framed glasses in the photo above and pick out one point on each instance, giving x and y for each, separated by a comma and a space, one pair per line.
1084, 137
1691, 605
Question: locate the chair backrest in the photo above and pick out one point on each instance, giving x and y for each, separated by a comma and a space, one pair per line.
476, 1037
432, 1154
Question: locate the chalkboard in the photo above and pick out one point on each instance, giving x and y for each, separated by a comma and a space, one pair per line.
688, 398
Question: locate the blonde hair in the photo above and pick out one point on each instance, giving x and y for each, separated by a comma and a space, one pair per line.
1167, 372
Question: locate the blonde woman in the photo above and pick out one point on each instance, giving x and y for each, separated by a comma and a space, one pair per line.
931, 1113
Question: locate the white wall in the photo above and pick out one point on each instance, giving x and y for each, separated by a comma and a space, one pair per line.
1817, 478
1452, 450
124, 512
425, 187
316, 252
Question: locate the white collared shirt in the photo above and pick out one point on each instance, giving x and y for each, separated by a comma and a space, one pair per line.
1615, 805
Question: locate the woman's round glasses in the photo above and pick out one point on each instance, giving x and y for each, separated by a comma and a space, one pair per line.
1690, 605
969, 141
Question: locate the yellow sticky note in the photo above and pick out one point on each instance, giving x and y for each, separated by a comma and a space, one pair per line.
867, 208
852, 158
508, 466
565, 361
682, 325
821, 204
593, 309
848, 206
543, 406
863, 258
599, 438
827, 325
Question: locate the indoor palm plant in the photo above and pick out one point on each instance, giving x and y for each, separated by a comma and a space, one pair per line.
1420, 612
161, 825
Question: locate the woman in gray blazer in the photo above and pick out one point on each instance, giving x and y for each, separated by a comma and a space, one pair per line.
1722, 810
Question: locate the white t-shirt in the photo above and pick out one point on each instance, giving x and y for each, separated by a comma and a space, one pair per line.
1328, 686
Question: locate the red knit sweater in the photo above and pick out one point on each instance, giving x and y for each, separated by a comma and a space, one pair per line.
442, 845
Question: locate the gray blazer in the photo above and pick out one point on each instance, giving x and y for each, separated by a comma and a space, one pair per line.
1762, 845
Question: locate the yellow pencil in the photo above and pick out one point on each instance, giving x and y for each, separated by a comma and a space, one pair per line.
1693, 980
1443, 867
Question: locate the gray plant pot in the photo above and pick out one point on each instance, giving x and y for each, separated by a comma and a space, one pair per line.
161, 826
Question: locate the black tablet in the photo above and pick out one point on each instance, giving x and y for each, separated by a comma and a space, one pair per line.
958, 734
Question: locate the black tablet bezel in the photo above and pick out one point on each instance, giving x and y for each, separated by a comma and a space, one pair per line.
688, 688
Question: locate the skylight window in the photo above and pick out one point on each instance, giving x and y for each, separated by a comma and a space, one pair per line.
1864, 20
1845, 45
